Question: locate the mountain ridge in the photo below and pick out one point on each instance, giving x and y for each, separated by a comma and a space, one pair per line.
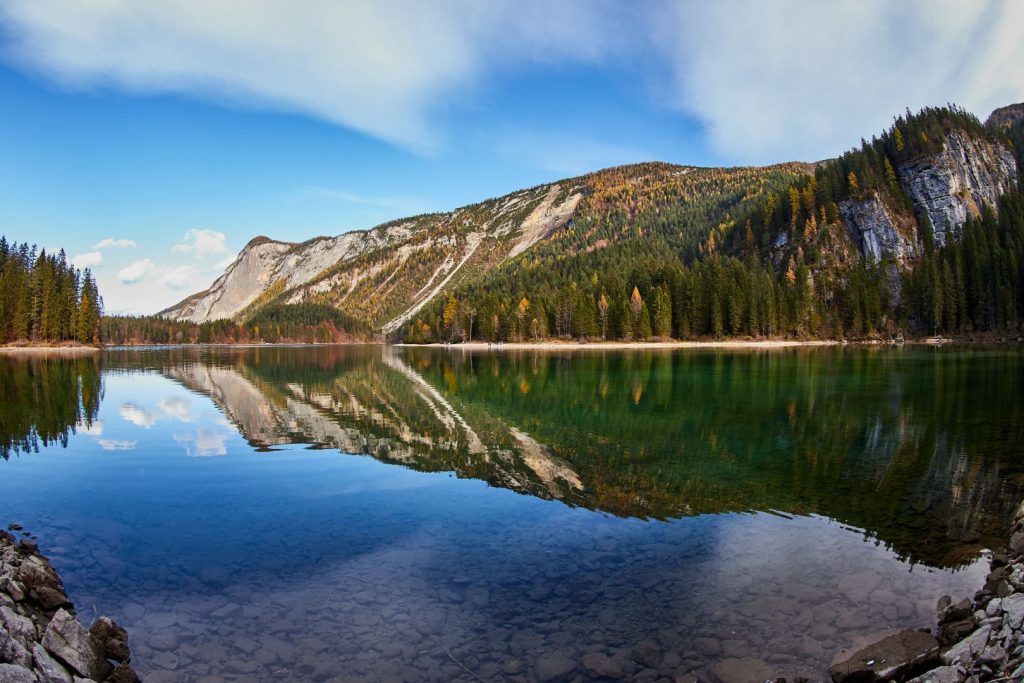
880, 209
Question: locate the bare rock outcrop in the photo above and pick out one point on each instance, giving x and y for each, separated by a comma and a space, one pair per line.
878, 232
953, 185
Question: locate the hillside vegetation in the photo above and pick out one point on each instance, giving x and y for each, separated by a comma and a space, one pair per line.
917, 231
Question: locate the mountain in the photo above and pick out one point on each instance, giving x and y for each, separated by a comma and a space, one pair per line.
1006, 117
659, 250
389, 273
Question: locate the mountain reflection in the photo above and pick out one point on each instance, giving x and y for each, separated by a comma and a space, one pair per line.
919, 448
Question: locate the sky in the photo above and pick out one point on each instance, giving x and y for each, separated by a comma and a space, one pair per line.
153, 140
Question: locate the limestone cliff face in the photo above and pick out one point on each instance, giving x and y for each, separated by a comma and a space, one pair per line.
879, 233
952, 186
389, 273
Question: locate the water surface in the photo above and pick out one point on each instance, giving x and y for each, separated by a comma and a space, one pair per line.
369, 513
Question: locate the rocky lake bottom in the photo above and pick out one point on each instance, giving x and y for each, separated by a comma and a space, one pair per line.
206, 507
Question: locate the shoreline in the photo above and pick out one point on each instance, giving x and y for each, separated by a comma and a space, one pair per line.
50, 350
41, 638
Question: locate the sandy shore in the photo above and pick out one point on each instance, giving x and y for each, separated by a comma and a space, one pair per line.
571, 345
48, 350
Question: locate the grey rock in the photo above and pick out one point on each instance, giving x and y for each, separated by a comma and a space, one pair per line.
12, 651
877, 232
550, 668
12, 673
1013, 610
943, 674
48, 669
994, 654
602, 666
20, 627
952, 186
967, 648
885, 656
993, 607
68, 641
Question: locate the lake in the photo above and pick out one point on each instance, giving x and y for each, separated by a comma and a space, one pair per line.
376, 513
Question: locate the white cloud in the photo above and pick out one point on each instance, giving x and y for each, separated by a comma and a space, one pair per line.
204, 442
137, 415
89, 259
181, 277
111, 243
134, 272
568, 154
201, 242
799, 79
177, 408
116, 444
382, 67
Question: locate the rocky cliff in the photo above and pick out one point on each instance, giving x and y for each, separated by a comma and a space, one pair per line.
387, 273
952, 186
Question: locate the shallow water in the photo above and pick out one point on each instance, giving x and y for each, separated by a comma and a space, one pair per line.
517, 511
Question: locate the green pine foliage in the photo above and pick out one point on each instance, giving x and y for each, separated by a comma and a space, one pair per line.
44, 298
304, 323
706, 270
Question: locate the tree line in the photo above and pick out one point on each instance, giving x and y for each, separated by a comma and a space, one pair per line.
782, 267
305, 323
43, 297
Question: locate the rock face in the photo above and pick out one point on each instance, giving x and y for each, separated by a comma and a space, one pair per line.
952, 186
877, 232
392, 270
41, 641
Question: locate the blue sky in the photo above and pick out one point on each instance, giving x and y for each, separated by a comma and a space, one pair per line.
153, 140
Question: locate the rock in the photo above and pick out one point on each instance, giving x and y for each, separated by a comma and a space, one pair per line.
113, 638
994, 654
550, 668
42, 582
12, 673
123, 673
967, 648
20, 627
944, 674
12, 651
745, 670
885, 657
48, 669
646, 652
879, 233
602, 666
68, 641
1013, 610
993, 607
953, 185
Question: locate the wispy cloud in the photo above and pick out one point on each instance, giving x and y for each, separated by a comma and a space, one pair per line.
201, 242
801, 79
134, 272
111, 243
137, 415
90, 259
378, 66
116, 444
